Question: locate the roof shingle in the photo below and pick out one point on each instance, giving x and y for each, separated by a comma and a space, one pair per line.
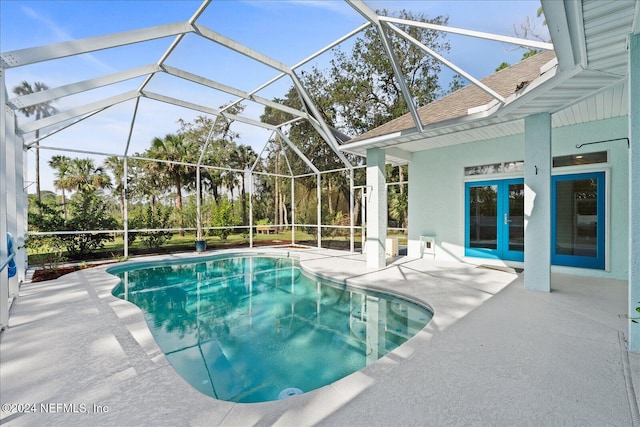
457, 104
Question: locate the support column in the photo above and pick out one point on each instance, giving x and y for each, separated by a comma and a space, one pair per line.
319, 208
4, 277
634, 191
125, 211
537, 202
12, 152
376, 208
21, 209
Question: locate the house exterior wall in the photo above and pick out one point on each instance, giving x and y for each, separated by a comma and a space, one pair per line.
436, 190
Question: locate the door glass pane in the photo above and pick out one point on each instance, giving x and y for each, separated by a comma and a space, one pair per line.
483, 206
577, 217
516, 217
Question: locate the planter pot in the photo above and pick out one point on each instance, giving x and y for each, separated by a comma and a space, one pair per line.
201, 245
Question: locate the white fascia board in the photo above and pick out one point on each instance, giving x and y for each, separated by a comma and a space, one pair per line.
556, 16
477, 34
20, 57
378, 141
240, 48
203, 109
231, 90
76, 112
83, 86
537, 87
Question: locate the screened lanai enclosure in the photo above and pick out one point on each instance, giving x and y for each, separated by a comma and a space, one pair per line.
239, 122
295, 177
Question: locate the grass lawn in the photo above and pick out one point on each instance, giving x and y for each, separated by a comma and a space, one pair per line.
115, 250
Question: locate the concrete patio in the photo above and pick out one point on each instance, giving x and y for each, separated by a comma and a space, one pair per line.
493, 354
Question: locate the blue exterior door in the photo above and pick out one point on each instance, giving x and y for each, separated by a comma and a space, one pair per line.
494, 220
578, 220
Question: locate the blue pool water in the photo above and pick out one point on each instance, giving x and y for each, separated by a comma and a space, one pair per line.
255, 329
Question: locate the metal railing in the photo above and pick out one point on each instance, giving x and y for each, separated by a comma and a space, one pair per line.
7, 261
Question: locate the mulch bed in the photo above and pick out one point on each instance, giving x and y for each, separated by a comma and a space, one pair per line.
41, 275
53, 273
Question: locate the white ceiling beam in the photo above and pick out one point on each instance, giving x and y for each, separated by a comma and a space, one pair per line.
304, 61
74, 88
77, 112
203, 109
175, 42
332, 45
371, 16
60, 129
297, 151
317, 121
556, 15
477, 34
448, 63
20, 57
240, 48
230, 90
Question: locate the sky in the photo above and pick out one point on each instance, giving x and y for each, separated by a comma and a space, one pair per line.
287, 31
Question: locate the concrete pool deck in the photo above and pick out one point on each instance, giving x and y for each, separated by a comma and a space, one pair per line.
493, 354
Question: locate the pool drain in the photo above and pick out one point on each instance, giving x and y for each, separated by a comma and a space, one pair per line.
288, 392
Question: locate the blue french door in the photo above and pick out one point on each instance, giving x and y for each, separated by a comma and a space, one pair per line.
577, 220
494, 219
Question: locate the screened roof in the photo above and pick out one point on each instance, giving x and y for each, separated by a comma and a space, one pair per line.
184, 63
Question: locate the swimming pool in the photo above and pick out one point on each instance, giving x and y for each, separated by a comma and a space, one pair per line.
257, 328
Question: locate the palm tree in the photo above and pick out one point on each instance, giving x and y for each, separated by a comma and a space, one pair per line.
174, 148
40, 111
116, 165
242, 158
62, 164
85, 177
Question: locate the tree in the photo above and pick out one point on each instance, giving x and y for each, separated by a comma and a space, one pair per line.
221, 148
502, 66
148, 218
116, 165
176, 149
222, 217
89, 212
62, 165
85, 177
87, 209
358, 91
363, 86
242, 158
528, 29
42, 110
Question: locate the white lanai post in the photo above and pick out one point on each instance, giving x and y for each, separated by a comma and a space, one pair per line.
319, 207
376, 208
4, 254
537, 202
351, 213
293, 210
634, 190
13, 150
